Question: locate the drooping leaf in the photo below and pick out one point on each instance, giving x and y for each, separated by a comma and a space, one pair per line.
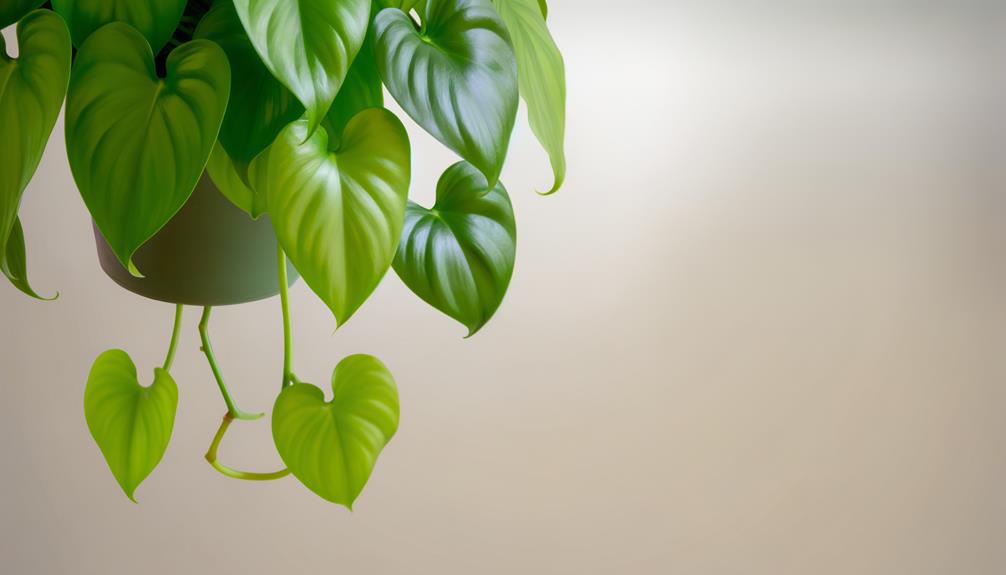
307, 44
32, 87
130, 423
332, 447
459, 255
224, 173
338, 212
262, 106
137, 144
13, 10
155, 19
457, 78
14, 263
542, 78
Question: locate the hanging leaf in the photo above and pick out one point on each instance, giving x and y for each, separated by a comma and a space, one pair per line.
459, 256
331, 447
457, 78
155, 19
542, 78
137, 144
264, 107
224, 173
32, 87
308, 44
130, 423
13, 10
338, 212
14, 263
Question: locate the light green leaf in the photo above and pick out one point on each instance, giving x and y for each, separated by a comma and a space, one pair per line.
224, 173
308, 44
155, 19
130, 423
32, 87
14, 263
542, 77
13, 10
137, 144
457, 78
262, 106
332, 447
459, 256
338, 212
543, 4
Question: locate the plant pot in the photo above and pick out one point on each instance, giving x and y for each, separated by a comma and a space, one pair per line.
210, 254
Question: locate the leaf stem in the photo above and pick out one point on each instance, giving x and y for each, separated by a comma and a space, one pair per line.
211, 457
207, 348
174, 338
284, 297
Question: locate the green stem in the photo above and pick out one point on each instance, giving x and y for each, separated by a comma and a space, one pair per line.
174, 338
232, 409
284, 298
211, 457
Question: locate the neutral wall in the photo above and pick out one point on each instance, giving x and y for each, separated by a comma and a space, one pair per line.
760, 331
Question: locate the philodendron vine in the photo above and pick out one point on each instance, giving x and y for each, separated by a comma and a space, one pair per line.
281, 103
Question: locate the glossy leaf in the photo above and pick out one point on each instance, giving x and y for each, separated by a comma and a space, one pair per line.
32, 87
338, 212
13, 10
542, 78
457, 78
155, 19
361, 90
459, 256
130, 423
307, 44
14, 263
224, 173
262, 106
331, 447
137, 144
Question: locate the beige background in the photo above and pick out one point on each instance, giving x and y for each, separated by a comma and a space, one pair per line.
760, 331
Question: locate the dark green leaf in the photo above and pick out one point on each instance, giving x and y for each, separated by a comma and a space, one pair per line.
155, 19
13, 10
308, 44
457, 78
14, 263
338, 213
459, 256
332, 447
130, 423
361, 90
542, 76
137, 144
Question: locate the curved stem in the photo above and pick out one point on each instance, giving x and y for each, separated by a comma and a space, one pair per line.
284, 298
211, 457
174, 338
204, 334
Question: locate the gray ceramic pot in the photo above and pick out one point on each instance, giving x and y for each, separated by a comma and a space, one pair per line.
210, 253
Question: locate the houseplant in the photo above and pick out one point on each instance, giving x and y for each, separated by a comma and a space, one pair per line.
172, 106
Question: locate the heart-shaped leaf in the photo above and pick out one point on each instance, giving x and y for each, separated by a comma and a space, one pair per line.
265, 106
32, 87
541, 75
224, 173
137, 144
459, 256
308, 44
155, 19
14, 263
332, 447
13, 10
130, 423
457, 78
338, 212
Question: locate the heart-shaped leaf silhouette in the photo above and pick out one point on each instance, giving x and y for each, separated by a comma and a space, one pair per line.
459, 256
457, 77
130, 423
541, 76
14, 262
338, 212
13, 10
308, 44
32, 87
137, 144
155, 19
332, 447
